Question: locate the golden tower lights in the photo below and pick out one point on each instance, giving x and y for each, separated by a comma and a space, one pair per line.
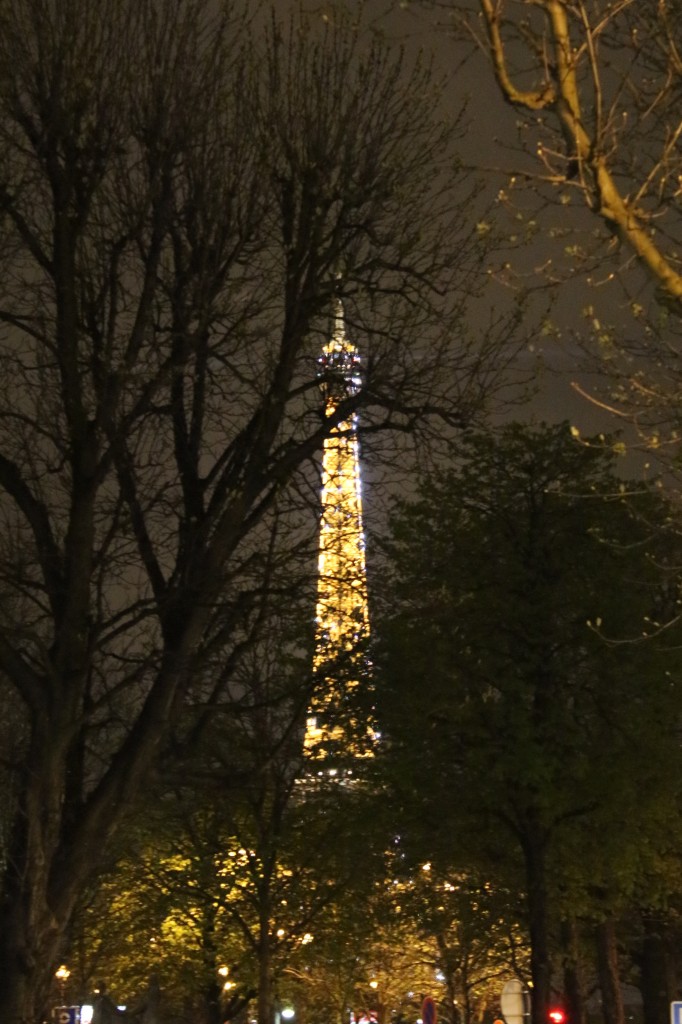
342, 617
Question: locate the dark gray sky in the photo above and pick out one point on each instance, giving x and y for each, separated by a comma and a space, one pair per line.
553, 356
490, 143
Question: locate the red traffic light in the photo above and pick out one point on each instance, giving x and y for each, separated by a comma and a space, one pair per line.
556, 1016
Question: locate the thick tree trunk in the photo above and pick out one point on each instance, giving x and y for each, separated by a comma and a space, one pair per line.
534, 849
574, 989
609, 976
30, 930
658, 970
266, 1010
29, 957
210, 1012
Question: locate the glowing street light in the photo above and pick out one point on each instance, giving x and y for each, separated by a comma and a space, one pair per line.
62, 974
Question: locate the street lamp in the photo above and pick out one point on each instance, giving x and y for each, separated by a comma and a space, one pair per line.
62, 974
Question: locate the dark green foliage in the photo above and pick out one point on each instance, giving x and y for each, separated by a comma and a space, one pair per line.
523, 703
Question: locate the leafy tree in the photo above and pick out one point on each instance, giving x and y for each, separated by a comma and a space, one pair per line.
542, 712
410, 933
470, 935
240, 853
183, 195
218, 902
161, 913
364, 959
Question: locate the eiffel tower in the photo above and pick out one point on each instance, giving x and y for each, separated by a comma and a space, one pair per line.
342, 616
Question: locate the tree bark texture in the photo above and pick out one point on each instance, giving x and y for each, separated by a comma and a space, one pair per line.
613, 1010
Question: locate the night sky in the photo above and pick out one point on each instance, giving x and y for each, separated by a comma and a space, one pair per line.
553, 357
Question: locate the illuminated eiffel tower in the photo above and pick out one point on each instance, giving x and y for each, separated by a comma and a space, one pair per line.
342, 617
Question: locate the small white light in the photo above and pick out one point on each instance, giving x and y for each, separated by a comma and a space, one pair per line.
86, 1014
288, 1013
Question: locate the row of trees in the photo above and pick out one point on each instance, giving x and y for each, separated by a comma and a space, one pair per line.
520, 818
535, 650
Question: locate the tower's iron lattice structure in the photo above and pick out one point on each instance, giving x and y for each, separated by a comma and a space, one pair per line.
342, 616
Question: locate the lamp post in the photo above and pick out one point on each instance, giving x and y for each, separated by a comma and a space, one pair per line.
374, 1009
62, 974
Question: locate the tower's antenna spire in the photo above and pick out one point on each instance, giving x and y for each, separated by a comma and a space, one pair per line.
342, 616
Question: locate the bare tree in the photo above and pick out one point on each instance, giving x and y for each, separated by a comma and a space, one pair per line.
182, 196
